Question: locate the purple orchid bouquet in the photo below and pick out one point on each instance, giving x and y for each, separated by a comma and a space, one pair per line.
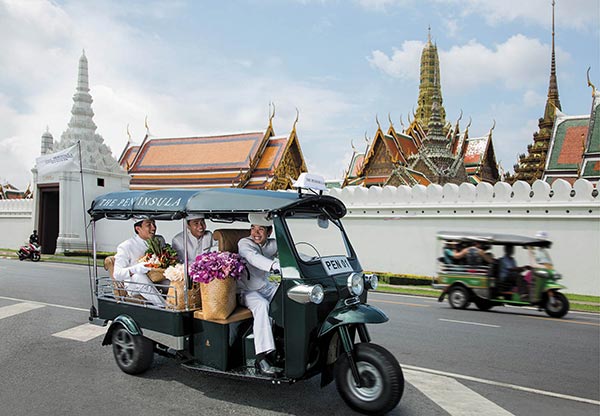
216, 265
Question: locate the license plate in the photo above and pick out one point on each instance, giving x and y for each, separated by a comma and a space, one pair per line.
336, 264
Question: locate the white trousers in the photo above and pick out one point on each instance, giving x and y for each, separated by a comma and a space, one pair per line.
258, 302
140, 284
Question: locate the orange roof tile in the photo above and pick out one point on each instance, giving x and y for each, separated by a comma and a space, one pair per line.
572, 148
193, 154
475, 152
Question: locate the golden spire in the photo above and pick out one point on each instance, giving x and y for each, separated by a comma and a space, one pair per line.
429, 84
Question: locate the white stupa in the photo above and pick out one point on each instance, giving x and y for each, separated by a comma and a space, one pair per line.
59, 215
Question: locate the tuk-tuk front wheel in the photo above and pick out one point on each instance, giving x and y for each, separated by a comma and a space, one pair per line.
458, 297
557, 305
133, 353
382, 381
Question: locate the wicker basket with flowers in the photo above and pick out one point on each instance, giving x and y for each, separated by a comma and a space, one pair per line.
217, 272
158, 257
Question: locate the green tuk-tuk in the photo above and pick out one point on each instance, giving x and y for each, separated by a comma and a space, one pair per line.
319, 311
491, 281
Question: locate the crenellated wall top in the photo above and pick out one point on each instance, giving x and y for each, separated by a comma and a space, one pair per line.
561, 191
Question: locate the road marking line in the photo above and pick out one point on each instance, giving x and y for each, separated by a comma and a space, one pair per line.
18, 308
469, 323
563, 320
453, 397
45, 304
506, 385
400, 303
82, 333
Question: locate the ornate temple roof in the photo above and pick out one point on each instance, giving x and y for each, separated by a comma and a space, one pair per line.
575, 146
591, 158
248, 160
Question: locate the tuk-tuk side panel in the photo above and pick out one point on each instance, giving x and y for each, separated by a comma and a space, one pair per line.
302, 322
173, 323
219, 346
471, 281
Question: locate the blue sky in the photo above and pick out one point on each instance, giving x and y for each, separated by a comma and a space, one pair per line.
205, 67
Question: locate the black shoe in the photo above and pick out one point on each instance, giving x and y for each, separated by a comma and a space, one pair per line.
265, 368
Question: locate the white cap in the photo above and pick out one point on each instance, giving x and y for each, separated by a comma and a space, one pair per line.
194, 217
258, 218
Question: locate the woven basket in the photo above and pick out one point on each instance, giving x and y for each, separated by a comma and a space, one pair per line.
218, 298
156, 275
176, 296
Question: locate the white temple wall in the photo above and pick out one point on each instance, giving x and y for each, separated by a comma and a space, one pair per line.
393, 229
71, 235
15, 222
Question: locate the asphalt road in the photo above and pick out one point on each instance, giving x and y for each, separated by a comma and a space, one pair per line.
506, 361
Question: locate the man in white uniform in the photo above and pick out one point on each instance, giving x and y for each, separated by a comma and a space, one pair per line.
256, 291
129, 270
200, 240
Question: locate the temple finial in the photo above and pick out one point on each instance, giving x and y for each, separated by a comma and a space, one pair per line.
428, 33
296, 121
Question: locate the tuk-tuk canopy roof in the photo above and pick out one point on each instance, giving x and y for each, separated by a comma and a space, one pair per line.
493, 238
178, 203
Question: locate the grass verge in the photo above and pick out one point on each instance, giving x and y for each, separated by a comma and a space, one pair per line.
592, 303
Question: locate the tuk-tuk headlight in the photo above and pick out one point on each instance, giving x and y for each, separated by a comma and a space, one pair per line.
542, 273
557, 276
356, 284
371, 281
316, 294
306, 294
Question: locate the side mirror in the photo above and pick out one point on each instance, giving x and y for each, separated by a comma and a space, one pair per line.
323, 222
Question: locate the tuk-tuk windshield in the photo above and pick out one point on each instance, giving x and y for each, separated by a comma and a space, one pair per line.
315, 236
540, 257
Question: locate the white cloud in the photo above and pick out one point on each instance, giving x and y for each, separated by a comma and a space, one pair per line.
579, 14
517, 63
133, 75
402, 62
452, 27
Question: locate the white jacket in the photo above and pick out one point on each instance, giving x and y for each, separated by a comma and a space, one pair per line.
128, 254
259, 260
195, 246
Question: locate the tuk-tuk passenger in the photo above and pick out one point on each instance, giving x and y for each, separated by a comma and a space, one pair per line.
127, 267
256, 291
200, 240
474, 255
450, 250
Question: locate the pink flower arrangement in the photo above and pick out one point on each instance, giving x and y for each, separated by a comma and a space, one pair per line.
216, 265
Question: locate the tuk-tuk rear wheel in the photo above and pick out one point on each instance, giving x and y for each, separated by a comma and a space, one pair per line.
558, 306
459, 298
382, 381
133, 353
